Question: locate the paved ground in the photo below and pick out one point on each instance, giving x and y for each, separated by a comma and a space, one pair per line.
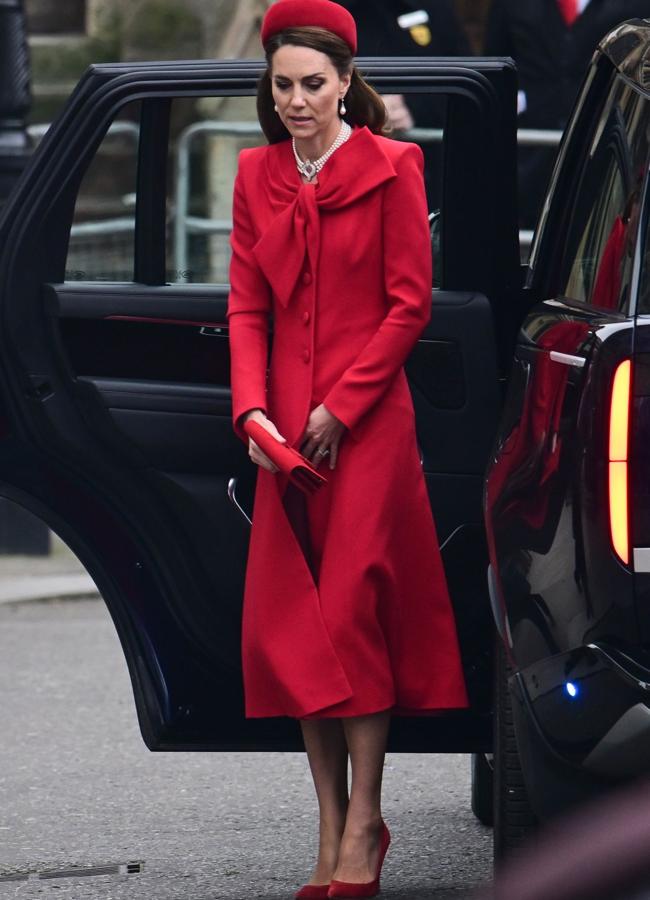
60, 574
79, 788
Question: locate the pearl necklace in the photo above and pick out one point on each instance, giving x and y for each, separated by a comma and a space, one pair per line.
310, 169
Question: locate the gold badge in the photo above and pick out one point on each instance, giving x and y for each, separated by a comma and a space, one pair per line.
421, 34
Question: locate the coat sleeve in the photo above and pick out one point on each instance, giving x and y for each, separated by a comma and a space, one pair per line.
249, 306
408, 283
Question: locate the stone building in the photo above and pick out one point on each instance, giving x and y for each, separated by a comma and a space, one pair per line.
67, 35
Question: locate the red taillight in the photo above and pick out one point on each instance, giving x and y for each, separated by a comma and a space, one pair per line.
619, 419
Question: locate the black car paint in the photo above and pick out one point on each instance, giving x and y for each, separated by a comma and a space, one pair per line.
573, 616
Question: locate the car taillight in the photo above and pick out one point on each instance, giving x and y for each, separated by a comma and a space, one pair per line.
619, 420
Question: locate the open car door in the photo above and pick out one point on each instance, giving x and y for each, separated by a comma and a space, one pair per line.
115, 401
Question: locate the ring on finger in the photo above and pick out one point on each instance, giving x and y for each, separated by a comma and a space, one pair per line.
323, 452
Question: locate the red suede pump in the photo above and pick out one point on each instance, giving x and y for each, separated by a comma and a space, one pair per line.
312, 892
367, 888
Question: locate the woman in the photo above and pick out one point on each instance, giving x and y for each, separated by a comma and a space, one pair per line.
346, 613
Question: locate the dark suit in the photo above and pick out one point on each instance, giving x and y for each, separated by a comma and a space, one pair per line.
380, 34
552, 59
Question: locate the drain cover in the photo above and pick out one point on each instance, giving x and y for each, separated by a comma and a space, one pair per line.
133, 867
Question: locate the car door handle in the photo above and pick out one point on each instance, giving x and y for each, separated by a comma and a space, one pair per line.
232, 496
567, 360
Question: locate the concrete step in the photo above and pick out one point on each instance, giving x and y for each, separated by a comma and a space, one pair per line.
56, 575
25, 588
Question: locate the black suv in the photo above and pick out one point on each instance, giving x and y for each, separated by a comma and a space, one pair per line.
115, 405
567, 499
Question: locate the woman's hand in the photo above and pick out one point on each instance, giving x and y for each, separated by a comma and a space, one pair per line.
261, 459
323, 433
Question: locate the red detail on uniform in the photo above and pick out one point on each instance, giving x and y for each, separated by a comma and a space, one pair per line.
569, 10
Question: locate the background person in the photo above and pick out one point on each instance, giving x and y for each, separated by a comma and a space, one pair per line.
552, 42
412, 28
346, 615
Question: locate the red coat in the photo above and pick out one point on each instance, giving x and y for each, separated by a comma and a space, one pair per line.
344, 267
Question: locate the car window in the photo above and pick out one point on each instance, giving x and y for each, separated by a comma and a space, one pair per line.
206, 136
598, 263
101, 244
643, 305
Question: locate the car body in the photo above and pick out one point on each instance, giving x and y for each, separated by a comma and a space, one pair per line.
115, 415
566, 498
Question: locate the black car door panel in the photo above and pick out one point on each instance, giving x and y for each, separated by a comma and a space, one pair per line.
157, 352
116, 398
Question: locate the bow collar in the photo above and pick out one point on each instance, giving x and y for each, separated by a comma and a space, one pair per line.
356, 168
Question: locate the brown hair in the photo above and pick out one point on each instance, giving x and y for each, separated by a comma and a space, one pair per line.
364, 105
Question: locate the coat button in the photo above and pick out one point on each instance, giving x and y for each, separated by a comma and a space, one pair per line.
306, 278
306, 317
306, 355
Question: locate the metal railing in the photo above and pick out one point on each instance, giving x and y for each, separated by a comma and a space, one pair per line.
185, 224
115, 225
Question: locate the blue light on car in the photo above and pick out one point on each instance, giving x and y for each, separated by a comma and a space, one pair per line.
571, 689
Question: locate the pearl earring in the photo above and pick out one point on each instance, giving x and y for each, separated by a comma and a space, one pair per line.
343, 109
275, 107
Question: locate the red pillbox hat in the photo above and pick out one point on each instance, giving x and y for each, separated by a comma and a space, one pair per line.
316, 13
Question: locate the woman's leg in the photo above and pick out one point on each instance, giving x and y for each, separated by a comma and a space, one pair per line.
328, 760
359, 851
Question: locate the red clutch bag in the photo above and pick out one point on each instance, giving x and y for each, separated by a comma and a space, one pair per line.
289, 461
